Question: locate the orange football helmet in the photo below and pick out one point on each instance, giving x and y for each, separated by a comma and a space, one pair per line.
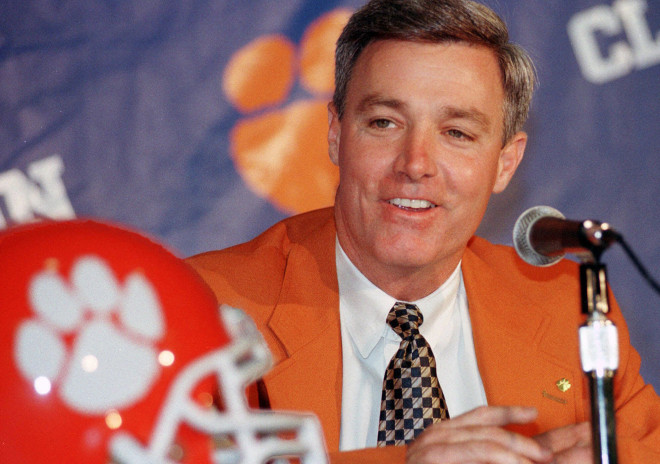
114, 350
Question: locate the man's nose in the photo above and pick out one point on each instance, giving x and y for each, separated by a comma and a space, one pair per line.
416, 158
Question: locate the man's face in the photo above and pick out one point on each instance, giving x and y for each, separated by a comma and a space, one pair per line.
419, 148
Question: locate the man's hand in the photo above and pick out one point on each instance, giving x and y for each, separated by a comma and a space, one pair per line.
479, 437
570, 444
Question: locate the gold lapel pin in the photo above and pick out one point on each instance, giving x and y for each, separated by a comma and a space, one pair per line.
563, 385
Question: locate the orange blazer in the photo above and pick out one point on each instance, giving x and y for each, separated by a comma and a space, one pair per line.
525, 322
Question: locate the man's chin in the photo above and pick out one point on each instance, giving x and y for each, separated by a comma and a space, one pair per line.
412, 259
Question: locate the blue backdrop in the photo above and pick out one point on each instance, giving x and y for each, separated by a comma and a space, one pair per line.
194, 121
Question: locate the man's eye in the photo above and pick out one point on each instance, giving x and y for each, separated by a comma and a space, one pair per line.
381, 123
457, 134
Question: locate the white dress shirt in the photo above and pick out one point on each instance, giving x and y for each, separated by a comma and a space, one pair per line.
368, 344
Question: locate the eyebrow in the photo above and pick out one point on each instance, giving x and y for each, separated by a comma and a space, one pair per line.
471, 114
377, 100
446, 112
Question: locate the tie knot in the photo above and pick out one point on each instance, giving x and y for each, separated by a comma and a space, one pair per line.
405, 319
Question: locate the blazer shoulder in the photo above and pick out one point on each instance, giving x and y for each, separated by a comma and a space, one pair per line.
253, 272
503, 260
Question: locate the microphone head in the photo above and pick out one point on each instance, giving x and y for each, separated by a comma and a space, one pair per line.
521, 238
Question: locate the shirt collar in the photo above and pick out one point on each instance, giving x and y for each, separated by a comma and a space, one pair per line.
364, 306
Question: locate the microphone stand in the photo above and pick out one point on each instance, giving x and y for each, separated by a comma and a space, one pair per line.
542, 236
599, 355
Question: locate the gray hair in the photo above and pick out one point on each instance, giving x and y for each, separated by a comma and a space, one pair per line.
439, 21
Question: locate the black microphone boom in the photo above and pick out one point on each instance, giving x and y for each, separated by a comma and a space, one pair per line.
542, 236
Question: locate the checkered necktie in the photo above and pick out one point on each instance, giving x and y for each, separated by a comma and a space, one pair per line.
412, 398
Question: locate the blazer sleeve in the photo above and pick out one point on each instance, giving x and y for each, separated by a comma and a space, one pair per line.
384, 455
637, 406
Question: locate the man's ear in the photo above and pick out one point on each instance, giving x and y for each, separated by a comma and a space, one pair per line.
510, 157
334, 132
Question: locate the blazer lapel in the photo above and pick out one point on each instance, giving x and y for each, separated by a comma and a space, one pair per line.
509, 332
306, 322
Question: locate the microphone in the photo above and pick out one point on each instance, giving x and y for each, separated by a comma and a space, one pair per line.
542, 236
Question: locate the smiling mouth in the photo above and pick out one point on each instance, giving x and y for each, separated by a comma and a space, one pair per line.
411, 204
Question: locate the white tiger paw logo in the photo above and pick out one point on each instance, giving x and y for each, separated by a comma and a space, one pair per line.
92, 338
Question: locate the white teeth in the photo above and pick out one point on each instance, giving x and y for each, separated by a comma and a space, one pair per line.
408, 203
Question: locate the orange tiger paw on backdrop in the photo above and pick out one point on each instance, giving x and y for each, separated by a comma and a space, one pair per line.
279, 148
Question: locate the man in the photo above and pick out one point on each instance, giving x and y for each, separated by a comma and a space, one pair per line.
425, 123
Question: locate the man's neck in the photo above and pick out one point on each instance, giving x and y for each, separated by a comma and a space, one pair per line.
406, 283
